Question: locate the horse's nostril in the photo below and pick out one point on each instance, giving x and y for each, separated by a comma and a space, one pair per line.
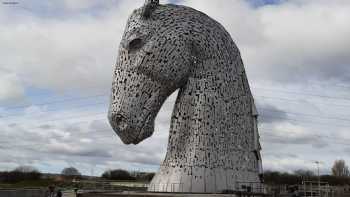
120, 120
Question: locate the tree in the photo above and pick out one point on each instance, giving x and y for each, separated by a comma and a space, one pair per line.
304, 173
21, 173
71, 172
340, 168
144, 176
25, 169
280, 178
335, 180
117, 175
149, 176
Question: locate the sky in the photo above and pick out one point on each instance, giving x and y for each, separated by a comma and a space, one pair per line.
57, 57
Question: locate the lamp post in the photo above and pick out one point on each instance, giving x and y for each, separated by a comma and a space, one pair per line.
318, 175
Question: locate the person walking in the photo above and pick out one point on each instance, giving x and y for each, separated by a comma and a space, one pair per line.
50, 192
59, 193
76, 192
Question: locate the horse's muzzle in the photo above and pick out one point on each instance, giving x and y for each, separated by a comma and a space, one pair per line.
123, 129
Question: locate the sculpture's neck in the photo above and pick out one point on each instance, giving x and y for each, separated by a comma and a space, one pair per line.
212, 140
211, 120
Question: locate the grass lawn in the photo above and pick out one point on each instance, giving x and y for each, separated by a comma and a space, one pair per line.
28, 184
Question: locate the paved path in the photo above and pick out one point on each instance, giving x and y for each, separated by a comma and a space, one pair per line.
68, 194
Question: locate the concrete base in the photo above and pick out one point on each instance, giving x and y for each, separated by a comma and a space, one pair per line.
150, 194
146, 194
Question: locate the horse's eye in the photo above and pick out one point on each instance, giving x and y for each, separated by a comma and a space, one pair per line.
135, 44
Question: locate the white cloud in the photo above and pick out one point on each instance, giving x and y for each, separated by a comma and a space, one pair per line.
305, 38
72, 52
288, 164
293, 42
78, 142
11, 88
300, 39
80, 4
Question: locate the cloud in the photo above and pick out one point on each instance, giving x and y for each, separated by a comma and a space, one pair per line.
303, 40
258, 3
286, 133
11, 89
83, 140
46, 126
71, 52
57, 148
296, 139
293, 41
81, 4
63, 45
270, 114
288, 164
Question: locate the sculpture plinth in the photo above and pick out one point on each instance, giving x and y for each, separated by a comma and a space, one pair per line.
213, 141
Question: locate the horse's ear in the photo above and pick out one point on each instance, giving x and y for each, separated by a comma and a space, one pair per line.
148, 8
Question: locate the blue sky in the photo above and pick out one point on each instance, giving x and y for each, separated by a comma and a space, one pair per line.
56, 60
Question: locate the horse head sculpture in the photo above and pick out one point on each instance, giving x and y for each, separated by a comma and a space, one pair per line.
213, 141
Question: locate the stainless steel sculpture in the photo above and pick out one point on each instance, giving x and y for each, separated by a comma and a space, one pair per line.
213, 143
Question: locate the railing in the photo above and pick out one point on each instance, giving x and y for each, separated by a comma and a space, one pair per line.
315, 189
254, 187
239, 187
109, 185
178, 187
168, 187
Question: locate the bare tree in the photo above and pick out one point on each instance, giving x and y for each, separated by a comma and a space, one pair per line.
340, 168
